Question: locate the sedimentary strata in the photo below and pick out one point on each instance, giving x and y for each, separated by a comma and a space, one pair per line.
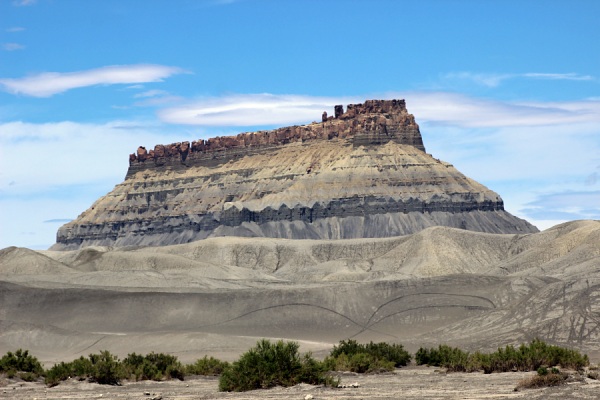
360, 173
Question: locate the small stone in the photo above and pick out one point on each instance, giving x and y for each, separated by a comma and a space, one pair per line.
308, 397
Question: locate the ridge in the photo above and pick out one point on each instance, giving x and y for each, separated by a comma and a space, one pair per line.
370, 123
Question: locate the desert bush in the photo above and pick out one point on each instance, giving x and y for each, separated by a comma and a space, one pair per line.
206, 366
359, 363
352, 356
106, 368
80, 368
527, 357
452, 358
272, 364
543, 378
20, 361
59, 372
28, 376
153, 366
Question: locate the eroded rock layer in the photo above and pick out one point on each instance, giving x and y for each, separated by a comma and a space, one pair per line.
361, 173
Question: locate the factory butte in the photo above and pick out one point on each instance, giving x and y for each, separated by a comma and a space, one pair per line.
361, 173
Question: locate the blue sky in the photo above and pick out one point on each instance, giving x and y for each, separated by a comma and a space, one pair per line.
507, 91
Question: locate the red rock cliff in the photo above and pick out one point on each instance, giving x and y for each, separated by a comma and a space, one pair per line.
370, 123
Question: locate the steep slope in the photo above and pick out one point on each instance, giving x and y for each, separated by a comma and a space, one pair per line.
570, 249
361, 174
22, 261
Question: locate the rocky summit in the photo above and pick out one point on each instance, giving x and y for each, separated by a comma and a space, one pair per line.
360, 173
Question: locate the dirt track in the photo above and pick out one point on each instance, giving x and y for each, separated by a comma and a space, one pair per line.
406, 383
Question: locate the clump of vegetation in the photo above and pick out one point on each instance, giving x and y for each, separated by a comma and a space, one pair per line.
527, 357
103, 368
207, 366
273, 364
22, 363
452, 358
80, 368
106, 368
352, 356
153, 366
543, 378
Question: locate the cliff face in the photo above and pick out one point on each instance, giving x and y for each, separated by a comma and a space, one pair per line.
360, 173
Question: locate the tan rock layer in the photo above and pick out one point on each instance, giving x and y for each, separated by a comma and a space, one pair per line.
314, 190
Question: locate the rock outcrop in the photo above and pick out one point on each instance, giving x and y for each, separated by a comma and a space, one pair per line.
361, 173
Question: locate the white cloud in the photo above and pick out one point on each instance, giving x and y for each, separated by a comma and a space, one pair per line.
448, 109
494, 80
51, 83
465, 111
69, 153
567, 77
12, 46
252, 110
151, 93
15, 29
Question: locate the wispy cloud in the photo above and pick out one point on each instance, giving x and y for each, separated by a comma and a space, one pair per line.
494, 80
12, 46
15, 29
50, 83
58, 221
252, 110
566, 77
565, 206
151, 93
442, 108
23, 3
465, 111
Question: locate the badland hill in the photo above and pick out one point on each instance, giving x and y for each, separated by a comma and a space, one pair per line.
361, 173
220, 295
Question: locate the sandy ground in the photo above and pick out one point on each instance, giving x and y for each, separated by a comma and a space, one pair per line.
406, 383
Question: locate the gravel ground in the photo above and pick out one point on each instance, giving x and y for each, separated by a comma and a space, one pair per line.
406, 383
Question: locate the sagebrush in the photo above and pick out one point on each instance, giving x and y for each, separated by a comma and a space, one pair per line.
273, 364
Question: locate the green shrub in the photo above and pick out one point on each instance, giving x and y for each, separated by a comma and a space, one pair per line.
81, 368
107, 369
268, 365
360, 363
527, 357
20, 361
207, 366
153, 366
56, 374
352, 356
452, 358
28, 376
